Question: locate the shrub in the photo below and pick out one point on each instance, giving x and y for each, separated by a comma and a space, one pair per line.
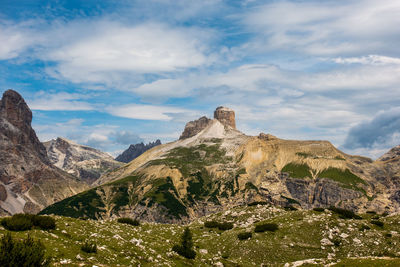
44, 222
211, 224
23, 222
337, 242
27, 252
185, 249
18, 222
225, 226
371, 212
319, 209
220, 225
345, 214
377, 223
388, 235
255, 203
244, 235
364, 227
290, 208
260, 228
89, 247
129, 221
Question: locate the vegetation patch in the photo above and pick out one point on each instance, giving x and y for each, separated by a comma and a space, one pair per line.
297, 170
377, 223
346, 178
24, 222
244, 235
345, 214
164, 193
26, 252
185, 249
339, 158
304, 155
86, 204
319, 209
223, 226
129, 221
263, 227
250, 186
89, 247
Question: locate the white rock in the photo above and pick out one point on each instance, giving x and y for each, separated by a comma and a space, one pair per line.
219, 264
203, 251
343, 235
326, 242
357, 241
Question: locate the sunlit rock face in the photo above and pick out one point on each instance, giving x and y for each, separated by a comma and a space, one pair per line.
226, 116
28, 181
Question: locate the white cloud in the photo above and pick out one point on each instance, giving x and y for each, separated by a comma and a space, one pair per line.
368, 60
326, 27
109, 50
146, 112
59, 101
14, 39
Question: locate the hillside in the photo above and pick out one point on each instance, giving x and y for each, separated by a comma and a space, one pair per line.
303, 237
217, 167
28, 181
84, 162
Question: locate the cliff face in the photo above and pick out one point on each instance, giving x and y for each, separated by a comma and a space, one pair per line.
81, 161
194, 127
226, 116
135, 151
28, 181
220, 167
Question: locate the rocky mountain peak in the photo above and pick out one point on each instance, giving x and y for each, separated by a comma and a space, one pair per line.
194, 127
14, 109
226, 116
135, 151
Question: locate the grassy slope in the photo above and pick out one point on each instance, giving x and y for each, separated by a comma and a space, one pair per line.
298, 238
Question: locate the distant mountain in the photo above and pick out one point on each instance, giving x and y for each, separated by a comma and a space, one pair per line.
214, 167
135, 151
81, 161
28, 180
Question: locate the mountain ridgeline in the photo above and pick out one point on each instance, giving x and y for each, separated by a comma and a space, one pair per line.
28, 180
214, 167
84, 162
135, 151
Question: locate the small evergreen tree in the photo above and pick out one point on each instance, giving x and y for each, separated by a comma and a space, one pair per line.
27, 252
185, 249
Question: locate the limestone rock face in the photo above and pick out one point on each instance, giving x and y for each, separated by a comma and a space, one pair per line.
28, 181
81, 161
194, 127
226, 116
135, 151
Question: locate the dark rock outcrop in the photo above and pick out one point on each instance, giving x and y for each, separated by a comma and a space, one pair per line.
194, 127
135, 151
28, 180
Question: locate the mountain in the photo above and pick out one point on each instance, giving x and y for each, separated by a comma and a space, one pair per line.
135, 151
215, 167
81, 161
28, 180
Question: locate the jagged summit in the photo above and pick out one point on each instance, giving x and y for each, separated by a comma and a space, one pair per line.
84, 162
135, 151
225, 116
28, 181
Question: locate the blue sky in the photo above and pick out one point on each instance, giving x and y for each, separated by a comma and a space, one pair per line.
111, 73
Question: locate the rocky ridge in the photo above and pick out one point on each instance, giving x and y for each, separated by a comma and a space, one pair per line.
135, 151
28, 181
219, 168
84, 162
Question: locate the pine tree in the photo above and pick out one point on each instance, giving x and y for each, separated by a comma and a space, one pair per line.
185, 249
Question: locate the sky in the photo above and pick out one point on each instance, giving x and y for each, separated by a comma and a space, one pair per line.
113, 73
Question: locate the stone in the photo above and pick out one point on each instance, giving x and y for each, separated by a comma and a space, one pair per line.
194, 127
25, 169
226, 116
267, 137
